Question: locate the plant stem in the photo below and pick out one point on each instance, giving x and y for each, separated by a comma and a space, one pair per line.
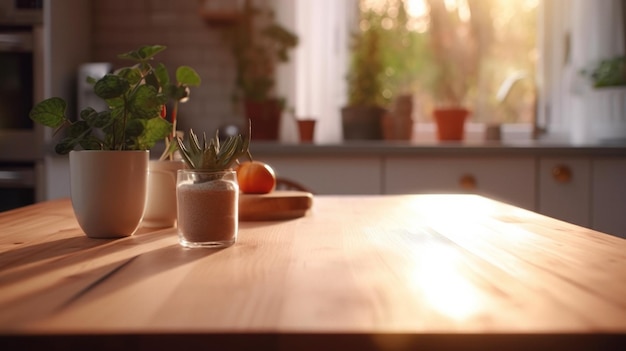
174, 118
124, 119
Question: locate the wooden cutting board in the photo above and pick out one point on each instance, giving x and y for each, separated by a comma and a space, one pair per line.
277, 205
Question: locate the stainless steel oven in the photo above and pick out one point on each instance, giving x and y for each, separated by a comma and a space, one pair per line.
21, 11
21, 84
17, 185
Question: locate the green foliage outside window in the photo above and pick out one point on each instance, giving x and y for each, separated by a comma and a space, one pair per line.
460, 52
387, 58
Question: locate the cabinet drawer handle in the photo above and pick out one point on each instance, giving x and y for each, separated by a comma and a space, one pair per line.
468, 182
562, 174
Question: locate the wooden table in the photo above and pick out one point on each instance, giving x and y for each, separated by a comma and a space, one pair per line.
356, 273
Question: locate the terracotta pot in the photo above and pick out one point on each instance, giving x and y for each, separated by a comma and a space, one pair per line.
306, 130
397, 124
264, 117
362, 122
450, 123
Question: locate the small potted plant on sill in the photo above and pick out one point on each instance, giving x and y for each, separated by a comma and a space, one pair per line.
109, 149
604, 98
457, 68
361, 118
258, 44
450, 113
207, 190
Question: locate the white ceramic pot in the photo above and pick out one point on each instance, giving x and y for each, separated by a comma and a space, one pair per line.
606, 111
108, 191
161, 203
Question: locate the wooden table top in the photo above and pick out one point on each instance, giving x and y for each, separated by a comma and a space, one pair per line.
357, 272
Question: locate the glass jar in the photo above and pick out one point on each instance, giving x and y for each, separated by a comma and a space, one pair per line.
207, 206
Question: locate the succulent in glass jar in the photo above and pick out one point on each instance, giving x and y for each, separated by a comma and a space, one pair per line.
213, 155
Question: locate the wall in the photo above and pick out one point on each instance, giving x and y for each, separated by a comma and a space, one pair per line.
123, 25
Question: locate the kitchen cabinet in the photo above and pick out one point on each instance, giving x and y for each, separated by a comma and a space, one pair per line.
510, 179
564, 189
581, 186
330, 174
608, 203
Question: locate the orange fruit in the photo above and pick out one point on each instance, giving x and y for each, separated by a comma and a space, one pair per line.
255, 177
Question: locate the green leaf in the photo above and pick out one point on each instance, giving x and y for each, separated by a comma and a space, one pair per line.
65, 145
187, 76
115, 103
194, 143
178, 93
78, 129
102, 120
77, 133
134, 128
49, 112
111, 86
185, 153
88, 114
211, 155
155, 129
96, 119
91, 143
161, 73
153, 81
143, 53
146, 102
131, 74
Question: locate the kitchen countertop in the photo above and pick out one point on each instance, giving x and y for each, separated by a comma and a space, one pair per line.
401, 272
435, 148
553, 147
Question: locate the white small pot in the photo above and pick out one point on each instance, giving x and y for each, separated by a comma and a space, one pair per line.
108, 191
606, 112
161, 203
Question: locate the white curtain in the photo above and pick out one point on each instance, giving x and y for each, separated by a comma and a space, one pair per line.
315, 82
597, 33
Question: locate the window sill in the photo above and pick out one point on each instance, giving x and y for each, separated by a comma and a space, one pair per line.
474, 132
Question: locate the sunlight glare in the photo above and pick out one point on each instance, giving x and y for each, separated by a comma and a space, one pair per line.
376, 5
387, 23
530, 5
444, 286
451, 5
465, 15
392, 11
364, 25
416, 8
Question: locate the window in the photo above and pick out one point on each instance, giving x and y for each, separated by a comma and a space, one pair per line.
502, 58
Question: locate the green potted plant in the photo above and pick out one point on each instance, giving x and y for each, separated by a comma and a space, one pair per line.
607, 73
258, 44
605, 99
450, 113
361, 118
109, 149
456, 70
207, 190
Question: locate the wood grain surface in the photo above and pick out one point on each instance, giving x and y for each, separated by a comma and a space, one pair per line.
356, 272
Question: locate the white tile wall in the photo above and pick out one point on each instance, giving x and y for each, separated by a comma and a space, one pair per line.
123, 25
